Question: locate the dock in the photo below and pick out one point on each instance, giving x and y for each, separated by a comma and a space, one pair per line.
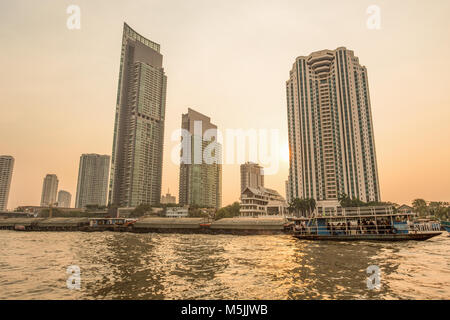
238, 226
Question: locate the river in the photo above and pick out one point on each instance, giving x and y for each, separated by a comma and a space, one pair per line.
33, 265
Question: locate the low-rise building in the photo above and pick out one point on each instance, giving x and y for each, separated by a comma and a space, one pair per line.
262, 202
177, 212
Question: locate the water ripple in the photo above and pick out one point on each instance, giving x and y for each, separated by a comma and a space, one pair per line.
165, 266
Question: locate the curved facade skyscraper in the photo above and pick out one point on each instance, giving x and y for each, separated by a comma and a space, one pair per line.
136, 167
331, 139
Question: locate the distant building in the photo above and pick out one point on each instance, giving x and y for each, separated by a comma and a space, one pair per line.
136, 168
37, 209
6, 170
200, 178
261, 202
331, 138
168, 199
92, 184
64, 199
405, 209
252, 175
49, 190
288, 192
177, 212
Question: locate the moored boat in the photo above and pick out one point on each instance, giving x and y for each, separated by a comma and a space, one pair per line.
365, 224
446, 225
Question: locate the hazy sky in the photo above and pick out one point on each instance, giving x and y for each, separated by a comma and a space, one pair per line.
229, 60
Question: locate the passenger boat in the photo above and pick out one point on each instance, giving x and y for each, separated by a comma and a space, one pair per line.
446, 225
365, 223
109, 224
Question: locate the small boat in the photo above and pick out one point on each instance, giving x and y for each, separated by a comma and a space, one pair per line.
365, 224
19, 227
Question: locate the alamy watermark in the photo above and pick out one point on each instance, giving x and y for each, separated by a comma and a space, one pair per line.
74, 280
374, 279
212, 146
74, 19
374, 19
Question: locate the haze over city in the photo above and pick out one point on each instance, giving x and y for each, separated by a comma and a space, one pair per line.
229, 60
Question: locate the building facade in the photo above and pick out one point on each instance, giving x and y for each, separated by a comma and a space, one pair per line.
176, 212
262, 202
331, 140
6, 171
252, 175
64, 199
49, 190
200, 165
288, 191
136, 167
92, 186
168, 198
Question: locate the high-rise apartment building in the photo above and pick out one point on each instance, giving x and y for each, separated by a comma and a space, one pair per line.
288, 191
92, 187
49, 190
252, 175
64, 199
6, 170
201, 165
331, 136
136, 167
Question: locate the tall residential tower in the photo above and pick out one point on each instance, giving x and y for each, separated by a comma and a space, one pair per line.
201, 165
6, 170
49, 190
136, 167
331, 137
92, 187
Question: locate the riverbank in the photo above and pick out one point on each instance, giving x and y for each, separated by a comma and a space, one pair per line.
243, 226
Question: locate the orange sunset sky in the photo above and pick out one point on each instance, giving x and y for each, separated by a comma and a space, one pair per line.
228, 60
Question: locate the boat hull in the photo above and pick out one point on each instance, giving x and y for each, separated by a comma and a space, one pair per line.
371, 237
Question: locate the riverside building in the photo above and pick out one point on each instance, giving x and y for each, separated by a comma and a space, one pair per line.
136, 167
92, 186
6, 171
331, 137
200, 177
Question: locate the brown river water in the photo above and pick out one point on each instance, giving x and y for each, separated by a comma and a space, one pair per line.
33, 265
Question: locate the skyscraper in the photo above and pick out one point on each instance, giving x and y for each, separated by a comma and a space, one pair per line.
288, 191
49, 190
331, 137
64, 199
200, 167
6, 170
136, 167
92, 184
252, 175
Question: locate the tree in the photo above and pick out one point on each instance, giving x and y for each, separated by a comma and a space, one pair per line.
230, 211
140, 210
312, 205
420, 207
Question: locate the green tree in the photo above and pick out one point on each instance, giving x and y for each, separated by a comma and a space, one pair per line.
420, 207
230, 211
140, 210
